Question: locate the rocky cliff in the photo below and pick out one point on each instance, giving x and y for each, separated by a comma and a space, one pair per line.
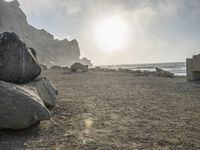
50, 51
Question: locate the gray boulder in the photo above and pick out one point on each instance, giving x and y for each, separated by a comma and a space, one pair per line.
78, 67
18, 64
20, 107
45, 90
163, 73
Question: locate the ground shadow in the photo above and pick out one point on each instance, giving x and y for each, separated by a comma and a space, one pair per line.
15, 139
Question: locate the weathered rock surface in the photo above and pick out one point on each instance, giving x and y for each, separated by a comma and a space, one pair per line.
43, 67
66, 70
20, 107
163, 73
56, 67
158, 73
78, 67
17, 63
45, 90
50, 51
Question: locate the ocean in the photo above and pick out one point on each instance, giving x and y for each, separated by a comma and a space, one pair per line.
178, 68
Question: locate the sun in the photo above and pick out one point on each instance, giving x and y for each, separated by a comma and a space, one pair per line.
111, 34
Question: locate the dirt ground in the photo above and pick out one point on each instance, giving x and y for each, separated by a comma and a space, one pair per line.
115, 111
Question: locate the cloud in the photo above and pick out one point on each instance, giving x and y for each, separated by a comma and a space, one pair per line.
158, 28
50, 6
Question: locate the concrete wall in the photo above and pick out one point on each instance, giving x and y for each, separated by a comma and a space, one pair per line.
196, 63
193, 68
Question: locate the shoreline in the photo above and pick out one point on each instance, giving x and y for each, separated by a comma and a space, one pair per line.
178, 68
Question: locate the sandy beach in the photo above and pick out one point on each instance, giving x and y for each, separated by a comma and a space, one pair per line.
115, 111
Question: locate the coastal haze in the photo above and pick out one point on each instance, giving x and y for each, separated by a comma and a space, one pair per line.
99, 75
122, 32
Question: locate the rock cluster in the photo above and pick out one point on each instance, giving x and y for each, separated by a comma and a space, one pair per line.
158, 73
24, 100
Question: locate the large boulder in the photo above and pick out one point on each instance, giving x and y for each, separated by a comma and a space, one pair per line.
20, 107
18, 63
78, 67
45, 90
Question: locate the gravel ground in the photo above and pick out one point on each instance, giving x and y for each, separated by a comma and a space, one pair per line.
115, 111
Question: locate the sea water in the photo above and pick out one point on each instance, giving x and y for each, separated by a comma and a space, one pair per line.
178, 68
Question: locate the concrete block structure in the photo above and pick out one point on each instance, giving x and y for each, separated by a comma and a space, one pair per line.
193, 68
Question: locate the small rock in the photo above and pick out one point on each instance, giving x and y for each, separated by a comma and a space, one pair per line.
78, 67
56, 67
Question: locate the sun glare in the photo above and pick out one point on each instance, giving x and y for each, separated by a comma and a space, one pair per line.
111, 34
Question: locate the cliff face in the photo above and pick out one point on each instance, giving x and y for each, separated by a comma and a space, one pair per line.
49, 51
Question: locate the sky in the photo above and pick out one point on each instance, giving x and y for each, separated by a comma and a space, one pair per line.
122, 31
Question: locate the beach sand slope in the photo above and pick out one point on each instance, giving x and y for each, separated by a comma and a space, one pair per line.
114, 111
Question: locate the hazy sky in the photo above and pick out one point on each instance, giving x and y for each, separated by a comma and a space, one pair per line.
135, 31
